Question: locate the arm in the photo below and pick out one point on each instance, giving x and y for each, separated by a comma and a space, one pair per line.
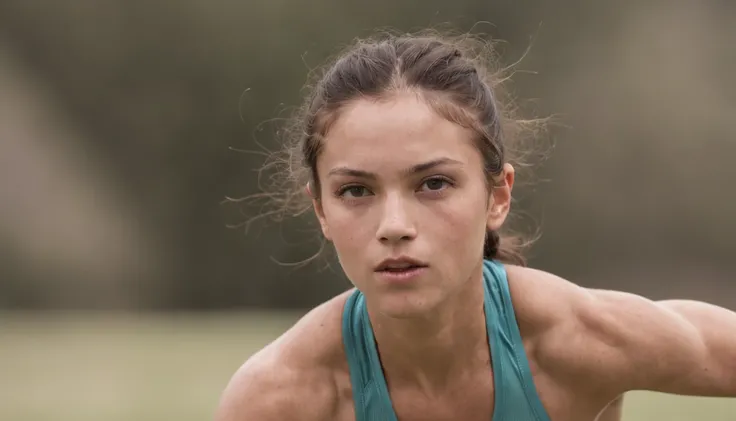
679, 347
715, 331
263, 391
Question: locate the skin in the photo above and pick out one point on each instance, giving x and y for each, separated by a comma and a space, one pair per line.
586, 347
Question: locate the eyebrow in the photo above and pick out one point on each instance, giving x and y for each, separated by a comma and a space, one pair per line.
414, 169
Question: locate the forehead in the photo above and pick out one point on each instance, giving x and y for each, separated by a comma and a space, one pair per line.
401, 129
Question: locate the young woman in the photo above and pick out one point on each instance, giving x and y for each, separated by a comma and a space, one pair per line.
404, 149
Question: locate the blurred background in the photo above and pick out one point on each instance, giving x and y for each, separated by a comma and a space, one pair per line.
129, 287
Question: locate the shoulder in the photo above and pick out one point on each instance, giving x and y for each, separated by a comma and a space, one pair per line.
542, 301
548, 304
295, 377
560, 314
573, 335
593, 342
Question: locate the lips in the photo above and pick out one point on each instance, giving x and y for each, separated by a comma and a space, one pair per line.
401, 271
401, 264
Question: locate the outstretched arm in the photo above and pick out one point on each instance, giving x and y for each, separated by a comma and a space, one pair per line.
679, 347
715, 330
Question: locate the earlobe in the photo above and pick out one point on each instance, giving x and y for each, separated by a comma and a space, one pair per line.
496, 217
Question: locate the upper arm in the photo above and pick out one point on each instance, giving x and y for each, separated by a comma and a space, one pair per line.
266, 391
643, 346
628, 342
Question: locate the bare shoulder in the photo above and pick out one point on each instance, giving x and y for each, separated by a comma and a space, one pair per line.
542, 301
561, 315
568, 334
294, 377
604, 343
548, 304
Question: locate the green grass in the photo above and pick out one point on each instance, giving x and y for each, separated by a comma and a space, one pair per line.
109, 367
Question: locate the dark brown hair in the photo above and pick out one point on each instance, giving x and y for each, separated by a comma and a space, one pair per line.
455, 75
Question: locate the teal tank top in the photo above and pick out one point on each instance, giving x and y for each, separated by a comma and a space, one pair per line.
516, 396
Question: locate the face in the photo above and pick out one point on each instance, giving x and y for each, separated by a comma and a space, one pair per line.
398, 181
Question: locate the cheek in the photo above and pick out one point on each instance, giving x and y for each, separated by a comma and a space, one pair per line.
346, 229
462, 224
350, 239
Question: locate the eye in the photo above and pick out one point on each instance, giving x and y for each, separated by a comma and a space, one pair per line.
352, 192
435, 184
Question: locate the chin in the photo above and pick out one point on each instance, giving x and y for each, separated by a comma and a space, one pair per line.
404, 304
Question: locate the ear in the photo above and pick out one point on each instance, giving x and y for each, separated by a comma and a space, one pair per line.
319, 211
499, 201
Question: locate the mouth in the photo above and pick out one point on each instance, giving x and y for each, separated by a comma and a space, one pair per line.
400, 265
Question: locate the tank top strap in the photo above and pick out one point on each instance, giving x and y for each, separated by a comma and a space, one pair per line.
516, 394
370, 391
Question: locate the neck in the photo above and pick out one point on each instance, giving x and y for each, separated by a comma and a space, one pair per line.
447, 343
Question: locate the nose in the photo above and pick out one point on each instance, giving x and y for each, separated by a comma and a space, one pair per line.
396, 223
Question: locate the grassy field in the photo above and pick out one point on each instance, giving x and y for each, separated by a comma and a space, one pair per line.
172, 367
